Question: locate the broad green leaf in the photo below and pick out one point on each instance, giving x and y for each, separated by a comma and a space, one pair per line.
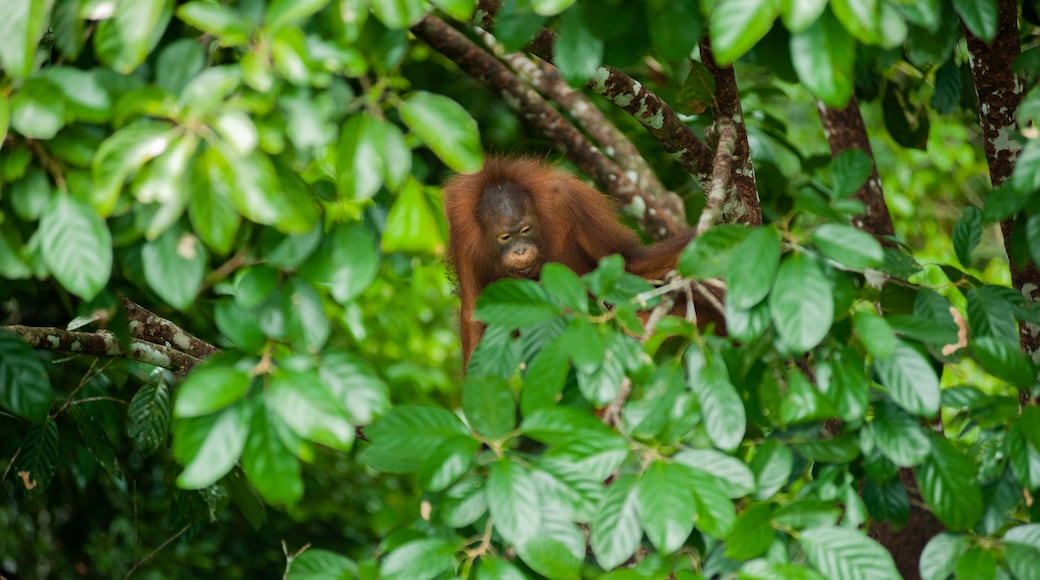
556, 425
31, 194
462, 10
316, 563
174, 265
874, 333
737, 25
515, 303
446, 128
577, 52
752, 267
801, 14
398, 14
268, 462
447, 463
803, 401
545, 378
1022, 551
307, 326
121, 155
261, 192
222, 22
564, 285
395, 152
360, 162
5, 116
21, 29
968, 233
406, 434
411, 225
289, 251
715, 512
25, 389
347, 262
514, 501
355, 384
978, 562
85, 96
124, 41
212, 215
489, 406
941, 553
96, 439
801, 303
550, 7
676, 26
178, 63
667, 507
76, 246
734, 473
165, 183
1023, 457
948, 484
708, 255
212, 387
491, 568
304, 403
615, 529
752, 532
990, 313
1004, 361
285, 12
464, 503
209, 446
910, 379
38, 456
724, 416
516, 24
849, 246
807, 513
850, 169
38, 109
847, 553
772, 466
551, 558
980, 16
148, 416
899, 435
824, 56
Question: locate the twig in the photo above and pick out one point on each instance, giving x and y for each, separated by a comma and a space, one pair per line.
152, 554
721, 178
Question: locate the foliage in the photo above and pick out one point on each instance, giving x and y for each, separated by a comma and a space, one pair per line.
266, 173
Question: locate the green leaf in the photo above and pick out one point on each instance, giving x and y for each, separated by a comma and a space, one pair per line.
268, 463
565, 286
148, 417
899, 435
515, 303
672, 40
707, 256
545, 378
174, 265
164, 184
5, 117
734, 473
282, 13
398, 14
489, 406
1022, 551
411, 225
423, 559
577, 52
968, 233
360, 163
615, 529
446, 128
550, 7
261, 192
847, 554
447, 463
977, 562
85, 96
516, 24
124, 40
355, 384
316, 563
76, 246
772, 466
491, 568
39, 454
212, 387
990, 313
715, 512
849, 246
752, 532
21, 29
213, 216
824, 56
802, 402
850, 169
802, 14
1004, 361
1003, 202
724, 416
947, 97
122, 154
801, 303
752, 267
25, 389
220, 21
353, 255
698, 89
306, 405
461, 10
38, 109
941, 553
666, 506
910, 379
307, 326
551, 558
96, 440
405, 435
807, 513
948, 484
874, 333
209, 446
737, 25
464, 503
514, 501
979, 16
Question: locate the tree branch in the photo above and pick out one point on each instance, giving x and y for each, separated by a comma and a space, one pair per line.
150, 327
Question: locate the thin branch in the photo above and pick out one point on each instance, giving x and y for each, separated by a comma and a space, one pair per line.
152, 554
478, 63
104, 344
150, 327
722, 175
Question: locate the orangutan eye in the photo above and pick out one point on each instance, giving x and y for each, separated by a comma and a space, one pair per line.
504, 238
525, 230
